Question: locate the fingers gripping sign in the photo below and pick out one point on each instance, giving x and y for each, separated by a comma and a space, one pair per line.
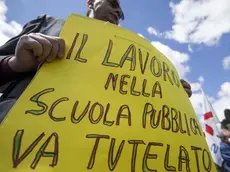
35, 48
46, 45
57, 48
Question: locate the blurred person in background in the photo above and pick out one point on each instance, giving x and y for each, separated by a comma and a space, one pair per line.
225, 140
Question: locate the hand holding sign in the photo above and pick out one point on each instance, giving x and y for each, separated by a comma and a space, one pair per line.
35, 48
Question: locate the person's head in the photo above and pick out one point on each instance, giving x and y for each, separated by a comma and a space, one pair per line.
227, 114
105, 10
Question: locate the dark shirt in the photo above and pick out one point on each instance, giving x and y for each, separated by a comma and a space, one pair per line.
6, 73
225, 153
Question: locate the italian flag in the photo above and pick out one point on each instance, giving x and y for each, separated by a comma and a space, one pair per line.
211, 130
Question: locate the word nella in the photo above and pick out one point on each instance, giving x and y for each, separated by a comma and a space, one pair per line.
166, 118
185, 156
157, 68
121, 82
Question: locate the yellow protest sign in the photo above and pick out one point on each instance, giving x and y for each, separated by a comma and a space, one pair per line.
114, 103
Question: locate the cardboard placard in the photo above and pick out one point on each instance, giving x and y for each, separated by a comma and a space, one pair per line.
114, 103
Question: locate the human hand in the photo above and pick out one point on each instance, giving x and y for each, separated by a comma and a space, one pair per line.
187, 87
34, 48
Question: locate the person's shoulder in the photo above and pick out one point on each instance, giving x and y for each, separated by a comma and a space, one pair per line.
50, 18
50, 25
39, 20
47, 17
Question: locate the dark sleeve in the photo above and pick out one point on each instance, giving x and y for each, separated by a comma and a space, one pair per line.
6, 73
31, 27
